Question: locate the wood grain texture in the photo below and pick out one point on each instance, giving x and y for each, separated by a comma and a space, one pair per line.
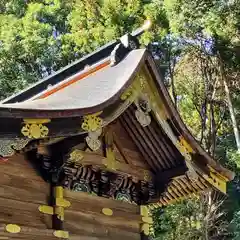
127, 147
137, 172
85, 217
22, 191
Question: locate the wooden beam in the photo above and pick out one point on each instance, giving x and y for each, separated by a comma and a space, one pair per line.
168, 175
122, 168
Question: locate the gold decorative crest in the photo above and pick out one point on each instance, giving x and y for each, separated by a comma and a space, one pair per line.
92, 123
110, 162
34, 128
76, 156
147, 176
134, 89
184, 148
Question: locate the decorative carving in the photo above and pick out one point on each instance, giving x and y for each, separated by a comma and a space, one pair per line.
142, 112
34, 128
81, 187
92, 139
115, 184
93, 125
8, 147
76, 157
125, 197
107, 184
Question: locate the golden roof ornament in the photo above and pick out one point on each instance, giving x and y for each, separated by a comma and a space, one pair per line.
93, 125
34, 128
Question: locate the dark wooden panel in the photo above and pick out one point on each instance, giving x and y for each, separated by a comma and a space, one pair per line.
9, 192
31, 185
25, 218
28, 233
17, 165
99, 230
84, 199
97, 218
127, 147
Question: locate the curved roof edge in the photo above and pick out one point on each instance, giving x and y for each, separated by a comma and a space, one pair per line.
111, 82
178, 122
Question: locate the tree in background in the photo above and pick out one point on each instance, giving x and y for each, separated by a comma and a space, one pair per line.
197, 44
206, 86
39, 37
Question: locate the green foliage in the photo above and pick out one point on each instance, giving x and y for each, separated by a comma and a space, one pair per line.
179, 221
235, 224
199, 218
37, 37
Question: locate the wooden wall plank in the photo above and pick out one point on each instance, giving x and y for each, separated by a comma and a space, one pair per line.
85, 217
28, 233
100, 231
17, 165
80, 199
24, 195
22, 191
100, 219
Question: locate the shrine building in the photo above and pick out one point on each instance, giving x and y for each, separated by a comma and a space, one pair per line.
86, 152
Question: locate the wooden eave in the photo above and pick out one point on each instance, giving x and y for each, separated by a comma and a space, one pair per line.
64, 108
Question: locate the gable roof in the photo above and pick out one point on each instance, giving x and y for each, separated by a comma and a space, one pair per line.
93, 88
63, 100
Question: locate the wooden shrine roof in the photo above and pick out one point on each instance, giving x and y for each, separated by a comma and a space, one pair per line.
104, 85
89, 90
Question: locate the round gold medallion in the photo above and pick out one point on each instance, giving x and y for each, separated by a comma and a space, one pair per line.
13, 228
107, 211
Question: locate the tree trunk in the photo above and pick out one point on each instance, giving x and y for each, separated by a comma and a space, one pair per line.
230, 107
232, 114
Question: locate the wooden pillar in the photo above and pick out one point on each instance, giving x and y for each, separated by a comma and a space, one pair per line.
57, 201
58, 214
